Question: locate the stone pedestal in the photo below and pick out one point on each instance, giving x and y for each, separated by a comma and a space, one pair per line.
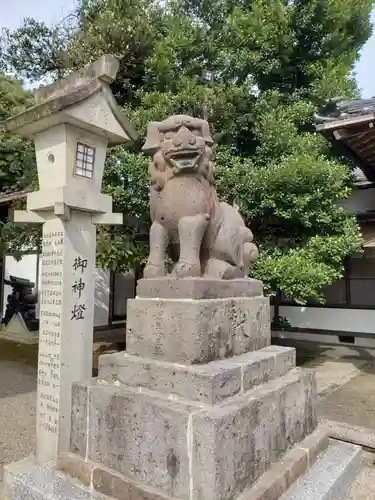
17, 331
200, 407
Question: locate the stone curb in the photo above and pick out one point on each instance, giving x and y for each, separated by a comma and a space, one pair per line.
100, 479
354, 434
273, 483
270, 486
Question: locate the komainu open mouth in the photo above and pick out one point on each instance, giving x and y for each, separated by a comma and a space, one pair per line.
184, 159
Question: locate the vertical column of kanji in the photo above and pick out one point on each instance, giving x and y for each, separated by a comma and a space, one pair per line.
50, 333
66, 328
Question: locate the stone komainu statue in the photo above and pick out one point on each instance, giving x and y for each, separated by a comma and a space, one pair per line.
202, 236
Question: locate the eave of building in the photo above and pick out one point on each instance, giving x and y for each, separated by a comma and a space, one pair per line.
9, 197
354, 137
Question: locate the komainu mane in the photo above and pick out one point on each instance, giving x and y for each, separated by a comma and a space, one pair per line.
202, 236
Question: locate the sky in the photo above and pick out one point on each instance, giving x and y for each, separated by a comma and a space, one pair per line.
52, 11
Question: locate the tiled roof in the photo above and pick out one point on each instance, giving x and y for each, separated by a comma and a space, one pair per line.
350, 127
14, 194
340, 109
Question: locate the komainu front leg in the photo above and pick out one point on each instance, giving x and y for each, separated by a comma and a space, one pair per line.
158, 248
191, 230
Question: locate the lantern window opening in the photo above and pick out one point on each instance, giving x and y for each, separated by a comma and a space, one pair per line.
85, 157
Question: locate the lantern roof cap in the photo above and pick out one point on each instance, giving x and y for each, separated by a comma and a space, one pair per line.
57, 103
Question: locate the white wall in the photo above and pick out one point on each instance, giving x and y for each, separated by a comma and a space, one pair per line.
324, 318
321, 318
321, 338
25, 268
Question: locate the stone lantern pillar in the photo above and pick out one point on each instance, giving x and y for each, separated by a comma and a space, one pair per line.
72, 124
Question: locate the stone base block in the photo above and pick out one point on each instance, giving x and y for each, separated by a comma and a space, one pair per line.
17, 331
316, 469
192, 331
211, 383
236, 442
115, 485
190, 449
198, 288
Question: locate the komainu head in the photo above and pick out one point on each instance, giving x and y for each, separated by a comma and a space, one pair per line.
182, 143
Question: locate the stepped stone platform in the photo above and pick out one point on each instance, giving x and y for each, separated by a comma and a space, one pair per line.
199, 407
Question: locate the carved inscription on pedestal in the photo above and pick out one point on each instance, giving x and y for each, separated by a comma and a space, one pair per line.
51, 297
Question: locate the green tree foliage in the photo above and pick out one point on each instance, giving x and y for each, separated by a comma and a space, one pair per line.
16, 155
17, 165
274, 62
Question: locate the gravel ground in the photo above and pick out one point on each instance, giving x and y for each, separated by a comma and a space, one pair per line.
17, 411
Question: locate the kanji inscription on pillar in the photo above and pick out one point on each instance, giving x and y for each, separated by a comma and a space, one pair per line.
51, 297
